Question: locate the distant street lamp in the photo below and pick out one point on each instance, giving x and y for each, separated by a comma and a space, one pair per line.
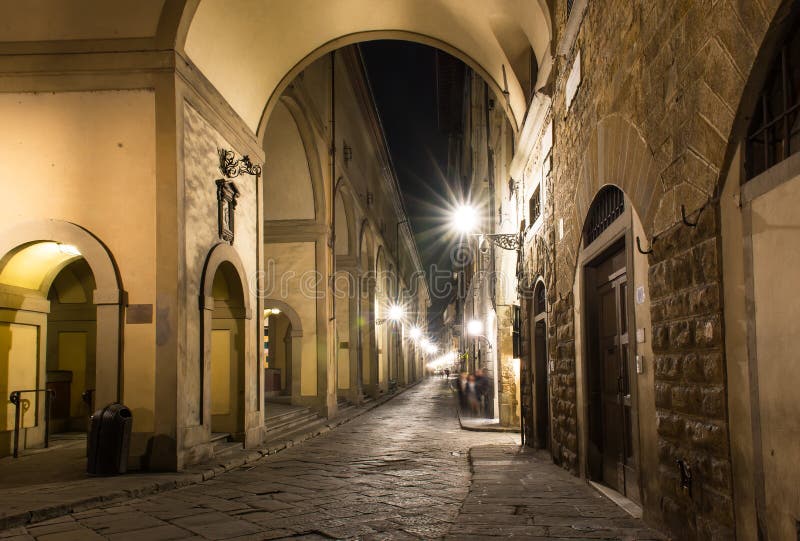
475, 327
394, 314
415, 333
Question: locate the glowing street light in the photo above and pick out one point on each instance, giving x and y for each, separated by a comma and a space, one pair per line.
431, 349
465, 219
415, 333
475, 327
396, 312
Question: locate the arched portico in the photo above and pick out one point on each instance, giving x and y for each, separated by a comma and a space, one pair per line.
109, 296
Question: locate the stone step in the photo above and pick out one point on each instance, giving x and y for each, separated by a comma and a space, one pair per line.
295, 432
217, 437
295, 421
280, 419
227, 448
223, 444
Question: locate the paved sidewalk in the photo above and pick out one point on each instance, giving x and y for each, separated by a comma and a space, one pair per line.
518, 493
51, 483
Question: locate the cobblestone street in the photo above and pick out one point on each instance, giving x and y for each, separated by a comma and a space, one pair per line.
401, 471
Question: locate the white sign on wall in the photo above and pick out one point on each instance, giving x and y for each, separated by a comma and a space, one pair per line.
574, 79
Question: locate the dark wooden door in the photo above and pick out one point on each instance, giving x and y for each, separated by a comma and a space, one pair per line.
611, 455
541, 393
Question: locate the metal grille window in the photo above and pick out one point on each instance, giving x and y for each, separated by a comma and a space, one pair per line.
607, 207
774, 132
539, 300
569, 7
516, 333
535, 205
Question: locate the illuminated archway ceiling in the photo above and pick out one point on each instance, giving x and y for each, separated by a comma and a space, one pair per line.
246, 47
32, 266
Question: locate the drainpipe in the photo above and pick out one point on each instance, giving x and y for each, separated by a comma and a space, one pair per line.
332, 261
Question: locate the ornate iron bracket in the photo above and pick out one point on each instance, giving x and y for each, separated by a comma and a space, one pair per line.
232, 168
506, 241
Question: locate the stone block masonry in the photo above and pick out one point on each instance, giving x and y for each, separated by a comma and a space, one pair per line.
690, 389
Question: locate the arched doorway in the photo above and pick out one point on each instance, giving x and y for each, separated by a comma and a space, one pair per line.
227, 356
71, 347
277, 354
283, 352
610, 397
229, 386
59, 328
540, 368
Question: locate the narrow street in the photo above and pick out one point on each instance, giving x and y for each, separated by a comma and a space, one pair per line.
401, 471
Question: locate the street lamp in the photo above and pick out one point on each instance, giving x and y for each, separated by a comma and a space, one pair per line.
415, 333
396, 312
465, 219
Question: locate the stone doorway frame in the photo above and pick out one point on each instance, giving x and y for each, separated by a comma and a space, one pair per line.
252, 422
621, 229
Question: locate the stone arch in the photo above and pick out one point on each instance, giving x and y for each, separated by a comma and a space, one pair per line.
365, 246
766, 51
109, 297
223, 253
348, 245
618, 154
91, 248
467, 35
301, 124
289, 312
351, 39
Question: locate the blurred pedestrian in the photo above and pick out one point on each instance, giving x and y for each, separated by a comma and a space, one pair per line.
482, 390
473, 399
461, 388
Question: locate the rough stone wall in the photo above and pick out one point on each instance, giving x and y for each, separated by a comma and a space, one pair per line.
507, 395
563, 386
675, 71
691, 417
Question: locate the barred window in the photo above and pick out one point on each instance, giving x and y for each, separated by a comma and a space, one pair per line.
607, 207
774, 131
539, 299
535, 205
516, 332
569, 7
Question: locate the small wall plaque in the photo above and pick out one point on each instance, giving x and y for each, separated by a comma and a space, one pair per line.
138, 313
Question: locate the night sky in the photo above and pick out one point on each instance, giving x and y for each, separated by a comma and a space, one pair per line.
403, 79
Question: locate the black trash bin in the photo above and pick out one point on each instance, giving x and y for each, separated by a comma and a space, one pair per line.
109, 440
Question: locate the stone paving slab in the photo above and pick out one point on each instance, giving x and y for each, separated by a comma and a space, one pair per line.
518, 492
